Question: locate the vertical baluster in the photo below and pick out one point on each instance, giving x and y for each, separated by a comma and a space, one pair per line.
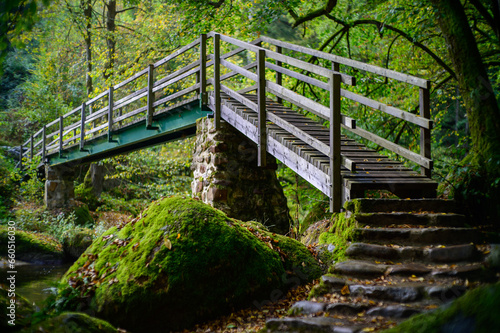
21, 157
82, 128
261, 72
61, 130
217, 80
279, 76
44, 129
203, 70
151, 97
425, 133
110, 114
335, 179
31, 147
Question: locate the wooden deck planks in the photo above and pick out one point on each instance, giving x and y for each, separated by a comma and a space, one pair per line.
373, 170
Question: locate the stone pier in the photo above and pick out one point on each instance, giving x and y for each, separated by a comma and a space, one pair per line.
59, 188
227, 177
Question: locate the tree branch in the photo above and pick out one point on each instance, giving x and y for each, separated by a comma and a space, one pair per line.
317, 13
124, 10
403, 34
495, 26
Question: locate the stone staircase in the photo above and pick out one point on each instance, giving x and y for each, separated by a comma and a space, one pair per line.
407, 257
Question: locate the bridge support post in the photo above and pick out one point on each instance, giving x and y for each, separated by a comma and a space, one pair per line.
59, 189
335, 163
217, 80
227, 177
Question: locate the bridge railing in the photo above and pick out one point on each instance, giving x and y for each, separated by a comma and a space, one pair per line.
121, 105
422, 120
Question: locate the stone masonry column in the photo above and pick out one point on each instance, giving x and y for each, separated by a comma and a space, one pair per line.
227, 177
59, 188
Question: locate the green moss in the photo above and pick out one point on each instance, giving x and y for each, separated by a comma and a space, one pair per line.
180, 262
30, 244
82, 215
72, 322
478, 307
341, 232
85, 192
353, 206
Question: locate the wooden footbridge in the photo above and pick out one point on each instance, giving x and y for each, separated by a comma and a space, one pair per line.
163, 102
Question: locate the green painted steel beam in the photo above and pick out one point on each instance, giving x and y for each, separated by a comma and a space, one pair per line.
175, 124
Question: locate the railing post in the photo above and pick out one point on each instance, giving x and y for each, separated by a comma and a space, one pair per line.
262, 135
335, 119
151, 97
217, 81
203, 70
43, 143
61, 131
31, 147
425, 133
110, 114
21, 157
92, 124
279, 76
82, 128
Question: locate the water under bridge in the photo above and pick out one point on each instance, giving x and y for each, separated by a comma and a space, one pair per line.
249, 86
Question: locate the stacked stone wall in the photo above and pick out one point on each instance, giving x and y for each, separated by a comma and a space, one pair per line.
227, 177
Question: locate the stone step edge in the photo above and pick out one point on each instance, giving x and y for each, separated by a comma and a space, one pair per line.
439, 254
353, 309
361, 268
365, 205
418, 236
450, 220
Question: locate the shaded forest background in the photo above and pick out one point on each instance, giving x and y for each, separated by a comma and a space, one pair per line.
56, 54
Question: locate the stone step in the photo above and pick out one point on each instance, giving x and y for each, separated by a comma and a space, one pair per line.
408, 293
418, 236
393, 311
444, 254
352, 309
314, 324
450, 220
401, 205
363, 269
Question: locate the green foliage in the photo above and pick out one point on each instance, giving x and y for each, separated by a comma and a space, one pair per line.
479, 307
60, 226
7, 186
306, 203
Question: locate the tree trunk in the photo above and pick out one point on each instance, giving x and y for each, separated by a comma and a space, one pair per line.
87, 12
475, 87
110, 37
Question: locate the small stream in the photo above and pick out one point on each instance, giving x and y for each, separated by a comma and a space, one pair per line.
34, 282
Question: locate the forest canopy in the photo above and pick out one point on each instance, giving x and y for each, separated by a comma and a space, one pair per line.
55, 54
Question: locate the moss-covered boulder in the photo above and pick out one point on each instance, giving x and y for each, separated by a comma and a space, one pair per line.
73, 322
181, 262
76, 243
32, 247
15, 315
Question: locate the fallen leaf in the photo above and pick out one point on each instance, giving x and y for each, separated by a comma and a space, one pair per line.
168, 243
345, 290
